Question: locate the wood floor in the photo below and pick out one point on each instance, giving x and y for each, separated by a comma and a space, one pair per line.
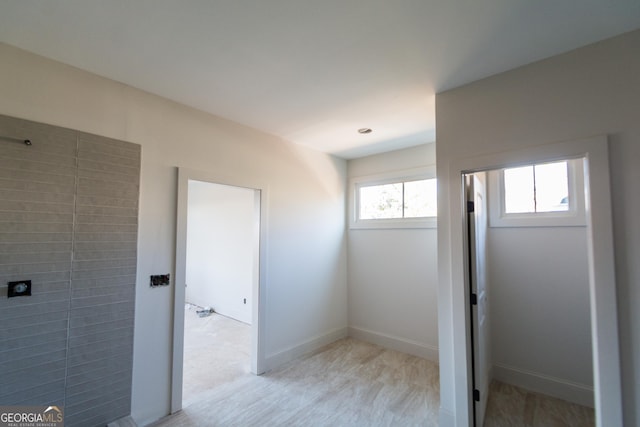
216, 352
350, 383
512, 406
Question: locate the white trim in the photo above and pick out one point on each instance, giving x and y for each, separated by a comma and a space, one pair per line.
446, 418
574, 217
428, 172
602, 284
277, 359
395, 343
570, 391
258, 297
123, 422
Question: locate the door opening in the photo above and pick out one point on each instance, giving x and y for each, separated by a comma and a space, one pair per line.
219, 246
537, 345
221, 268
593, 152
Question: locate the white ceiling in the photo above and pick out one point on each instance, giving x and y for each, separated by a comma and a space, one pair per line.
311, 72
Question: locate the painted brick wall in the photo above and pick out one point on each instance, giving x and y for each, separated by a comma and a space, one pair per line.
68, 223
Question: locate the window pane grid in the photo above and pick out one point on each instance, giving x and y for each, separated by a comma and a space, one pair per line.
552, 185
381, 201
399, 200
420, 198
536, 188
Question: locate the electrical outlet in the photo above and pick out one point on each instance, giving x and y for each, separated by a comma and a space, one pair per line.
160, 280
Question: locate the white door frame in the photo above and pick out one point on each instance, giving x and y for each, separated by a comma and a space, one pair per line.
258, 297
476, 224
602, 285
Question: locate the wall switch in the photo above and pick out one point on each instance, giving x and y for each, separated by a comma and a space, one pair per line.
19, 289
160, 280
245, 300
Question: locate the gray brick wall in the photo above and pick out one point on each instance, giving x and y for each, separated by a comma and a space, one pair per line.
68, 222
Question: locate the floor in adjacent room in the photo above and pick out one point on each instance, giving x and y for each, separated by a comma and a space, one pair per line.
509, 405
216, 352
347, 383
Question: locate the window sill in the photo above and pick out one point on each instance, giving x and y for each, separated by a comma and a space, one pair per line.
381, 224
538, 220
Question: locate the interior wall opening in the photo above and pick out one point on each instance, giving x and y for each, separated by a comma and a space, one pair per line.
601, 269
217, 301
221, 268
529, 286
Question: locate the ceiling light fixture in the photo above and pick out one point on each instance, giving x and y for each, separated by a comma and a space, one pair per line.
364, 130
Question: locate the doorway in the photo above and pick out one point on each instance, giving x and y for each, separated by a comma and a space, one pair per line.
602, 291
221, 268
219, 273
527, 240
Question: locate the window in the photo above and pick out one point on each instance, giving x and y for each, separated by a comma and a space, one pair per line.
410, 199
536, 188
394, 201
542, 194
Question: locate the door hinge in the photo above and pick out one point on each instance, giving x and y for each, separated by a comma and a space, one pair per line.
470, 206
476, 395
474, 299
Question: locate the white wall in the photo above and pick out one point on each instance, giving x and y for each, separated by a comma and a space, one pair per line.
589, 91
540, 318
392, 272
306, 250
221, 244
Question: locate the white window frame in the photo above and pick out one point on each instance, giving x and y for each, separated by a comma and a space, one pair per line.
388, 178
573, 217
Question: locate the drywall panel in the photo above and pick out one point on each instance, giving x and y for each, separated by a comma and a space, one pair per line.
392, 272
221, 242
594, 90
409, 158
392, 289
541, 323
306, 248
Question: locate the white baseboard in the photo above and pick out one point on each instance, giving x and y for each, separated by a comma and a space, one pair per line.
237, 315
551, 386
394, 343
123, 422
274, 360
447, 419
399, 344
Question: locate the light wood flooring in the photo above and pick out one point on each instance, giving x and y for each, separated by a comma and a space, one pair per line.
509, 405
216, 352
347, 383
